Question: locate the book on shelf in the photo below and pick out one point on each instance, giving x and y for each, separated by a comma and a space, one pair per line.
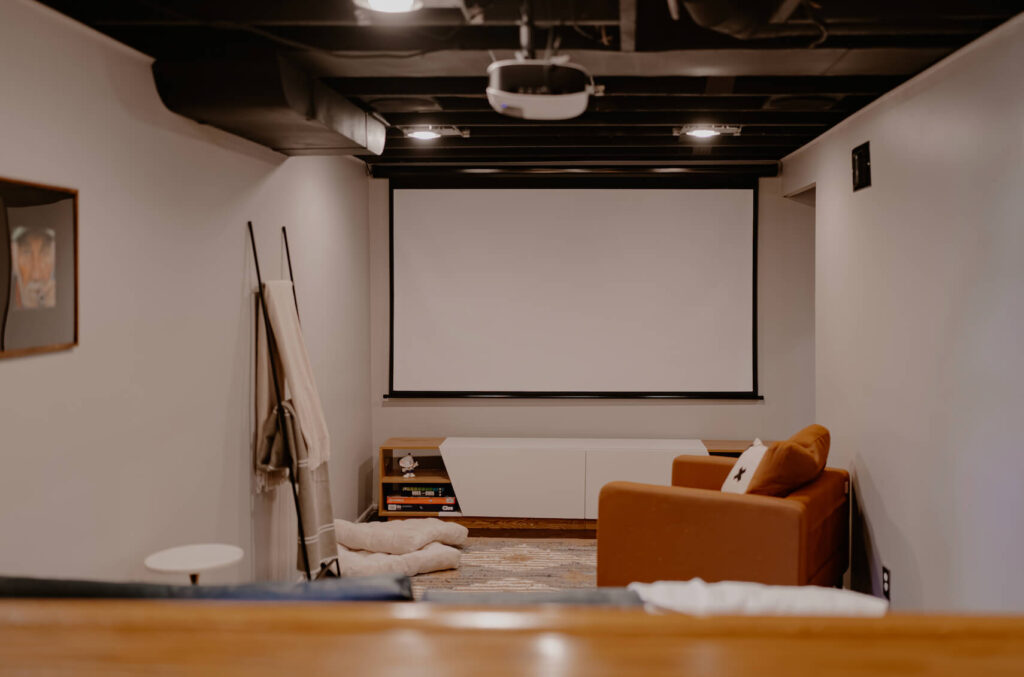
423, 507
421, 500
420, 490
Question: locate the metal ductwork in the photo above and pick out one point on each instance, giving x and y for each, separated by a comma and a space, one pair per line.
269, 100
743, 19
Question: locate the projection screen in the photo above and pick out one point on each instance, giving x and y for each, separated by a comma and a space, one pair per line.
573, 292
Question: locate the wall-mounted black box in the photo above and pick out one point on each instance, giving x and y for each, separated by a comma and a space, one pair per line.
861, 166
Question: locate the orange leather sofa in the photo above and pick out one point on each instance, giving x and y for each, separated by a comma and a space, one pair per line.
692, 529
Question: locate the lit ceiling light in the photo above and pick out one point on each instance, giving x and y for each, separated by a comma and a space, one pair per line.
423, 134
390, 6
704, 131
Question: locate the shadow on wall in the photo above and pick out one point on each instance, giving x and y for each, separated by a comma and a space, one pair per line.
367, 483
866, 562
862, 551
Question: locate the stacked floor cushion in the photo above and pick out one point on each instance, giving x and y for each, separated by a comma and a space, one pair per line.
410, 547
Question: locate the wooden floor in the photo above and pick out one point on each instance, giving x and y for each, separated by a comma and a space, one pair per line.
402, 639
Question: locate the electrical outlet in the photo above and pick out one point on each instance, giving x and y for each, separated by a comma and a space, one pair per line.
886, 584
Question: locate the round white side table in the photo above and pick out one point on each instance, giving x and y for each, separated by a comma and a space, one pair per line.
194, 559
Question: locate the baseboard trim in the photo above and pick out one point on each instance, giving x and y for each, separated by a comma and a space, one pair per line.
365, 515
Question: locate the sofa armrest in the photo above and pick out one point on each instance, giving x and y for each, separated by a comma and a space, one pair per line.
701, 472
826, 503
648, 533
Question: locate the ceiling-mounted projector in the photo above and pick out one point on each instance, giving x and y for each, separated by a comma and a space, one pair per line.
539, 89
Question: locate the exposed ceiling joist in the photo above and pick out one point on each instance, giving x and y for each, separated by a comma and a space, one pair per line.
783, 73
444, 145
629, 86
639, 119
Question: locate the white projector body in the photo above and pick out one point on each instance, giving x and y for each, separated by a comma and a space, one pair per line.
538, 89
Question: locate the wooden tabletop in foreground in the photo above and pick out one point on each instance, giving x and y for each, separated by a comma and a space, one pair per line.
110, 637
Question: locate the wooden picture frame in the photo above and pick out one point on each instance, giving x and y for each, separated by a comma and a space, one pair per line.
38, 268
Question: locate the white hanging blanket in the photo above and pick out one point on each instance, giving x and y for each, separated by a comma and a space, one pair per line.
298, 374
308, 447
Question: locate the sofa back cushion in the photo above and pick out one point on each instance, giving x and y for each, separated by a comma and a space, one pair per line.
790, 464
782, 467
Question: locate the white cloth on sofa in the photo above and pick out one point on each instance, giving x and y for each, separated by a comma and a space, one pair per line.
410, 547
698, 598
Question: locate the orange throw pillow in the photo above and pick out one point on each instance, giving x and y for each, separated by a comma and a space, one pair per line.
792, 463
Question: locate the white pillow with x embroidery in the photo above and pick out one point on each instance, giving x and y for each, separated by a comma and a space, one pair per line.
744, 469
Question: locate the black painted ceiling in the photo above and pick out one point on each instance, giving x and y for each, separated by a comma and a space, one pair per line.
784, 83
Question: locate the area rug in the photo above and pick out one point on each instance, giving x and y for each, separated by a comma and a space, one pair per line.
517, 564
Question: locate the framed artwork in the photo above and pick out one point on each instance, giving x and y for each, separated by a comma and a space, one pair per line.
38, 268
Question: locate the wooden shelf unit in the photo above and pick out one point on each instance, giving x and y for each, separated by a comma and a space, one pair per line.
428, 476
430, 471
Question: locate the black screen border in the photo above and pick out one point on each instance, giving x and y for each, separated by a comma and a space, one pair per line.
678, 182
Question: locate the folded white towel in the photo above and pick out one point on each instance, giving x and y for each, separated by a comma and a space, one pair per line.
400, 537
433, 557
698, 598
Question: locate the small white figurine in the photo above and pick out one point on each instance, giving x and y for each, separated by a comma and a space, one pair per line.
407, 463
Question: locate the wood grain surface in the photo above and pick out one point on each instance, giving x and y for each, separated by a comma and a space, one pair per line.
412, 443
370, 639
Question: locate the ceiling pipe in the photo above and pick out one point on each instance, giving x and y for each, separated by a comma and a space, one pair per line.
752, 19
526, 30
267, 99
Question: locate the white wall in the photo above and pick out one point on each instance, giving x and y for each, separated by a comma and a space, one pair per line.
919, 322
786, 340
140, 438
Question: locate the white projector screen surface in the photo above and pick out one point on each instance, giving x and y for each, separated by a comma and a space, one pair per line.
523, 290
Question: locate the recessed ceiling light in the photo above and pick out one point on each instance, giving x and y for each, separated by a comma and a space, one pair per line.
706, 131
390, 6
423, 134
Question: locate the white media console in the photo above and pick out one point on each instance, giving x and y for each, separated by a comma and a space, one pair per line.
534, 477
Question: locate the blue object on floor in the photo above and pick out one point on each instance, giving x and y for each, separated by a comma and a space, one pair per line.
620, 597
355, 589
